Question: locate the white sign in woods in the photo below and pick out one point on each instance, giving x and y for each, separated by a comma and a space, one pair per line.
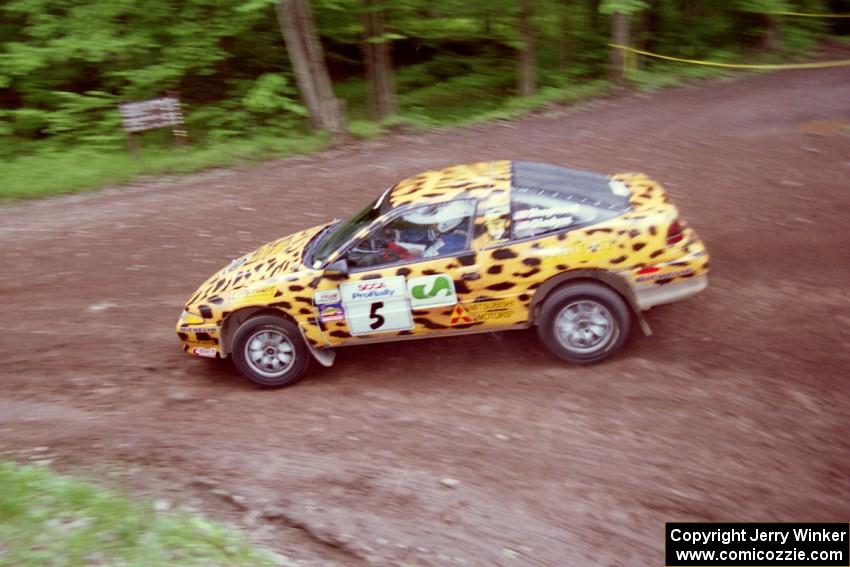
150, 114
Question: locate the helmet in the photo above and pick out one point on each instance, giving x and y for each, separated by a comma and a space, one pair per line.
444, 217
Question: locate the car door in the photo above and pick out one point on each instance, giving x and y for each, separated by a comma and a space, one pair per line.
405, 278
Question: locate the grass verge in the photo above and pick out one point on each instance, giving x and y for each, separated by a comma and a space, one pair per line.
49, 519
52, 171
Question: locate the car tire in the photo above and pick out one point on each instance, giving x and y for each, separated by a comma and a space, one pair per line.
270, 351
584, 322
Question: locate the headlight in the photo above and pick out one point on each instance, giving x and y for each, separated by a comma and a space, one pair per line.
191, 318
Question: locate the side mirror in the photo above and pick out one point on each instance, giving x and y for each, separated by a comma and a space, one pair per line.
340, 267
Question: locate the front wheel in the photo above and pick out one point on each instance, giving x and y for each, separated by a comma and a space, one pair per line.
584, 323
270, 351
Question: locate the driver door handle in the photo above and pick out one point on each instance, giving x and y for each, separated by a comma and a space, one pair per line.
470, 275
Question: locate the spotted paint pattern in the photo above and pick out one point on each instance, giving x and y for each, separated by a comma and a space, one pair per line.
496, 280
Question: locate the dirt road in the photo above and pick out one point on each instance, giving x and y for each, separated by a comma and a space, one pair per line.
737, 409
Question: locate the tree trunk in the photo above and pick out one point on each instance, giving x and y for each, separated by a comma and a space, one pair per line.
593, 8
376, 56
771, 35
527, 55
619, 36
563, 29
308, 61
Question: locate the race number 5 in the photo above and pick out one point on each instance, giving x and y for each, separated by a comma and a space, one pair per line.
376, 320
378, 305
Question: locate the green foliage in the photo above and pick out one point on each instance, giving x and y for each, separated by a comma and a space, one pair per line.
47, 519
763, 6
629, 7
272, 95
65, 66
365, 129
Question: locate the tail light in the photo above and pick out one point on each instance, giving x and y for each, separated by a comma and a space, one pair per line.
648, 270
675, 233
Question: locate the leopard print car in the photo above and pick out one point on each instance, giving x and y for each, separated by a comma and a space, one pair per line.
466, 249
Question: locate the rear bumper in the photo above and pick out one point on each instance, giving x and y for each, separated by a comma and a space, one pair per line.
650, 296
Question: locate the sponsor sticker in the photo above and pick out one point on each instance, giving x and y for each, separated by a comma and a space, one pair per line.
663, 275
495, 220
205, 352
249, 293
540, 212
618, 188
460, 316
491, 310
544, 223
236, 263
331, 312
199, 329
432, 291
576, 248
326, 296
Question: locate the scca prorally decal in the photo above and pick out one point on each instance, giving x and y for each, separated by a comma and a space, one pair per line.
376, 306
372, 290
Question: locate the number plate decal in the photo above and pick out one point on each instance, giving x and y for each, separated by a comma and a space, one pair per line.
376, 306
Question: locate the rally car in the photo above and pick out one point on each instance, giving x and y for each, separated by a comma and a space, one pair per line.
474, 248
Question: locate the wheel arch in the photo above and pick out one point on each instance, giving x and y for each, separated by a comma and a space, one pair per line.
235, 319
604, 277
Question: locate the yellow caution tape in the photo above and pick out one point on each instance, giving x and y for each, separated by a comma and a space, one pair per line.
802, 15
815, 65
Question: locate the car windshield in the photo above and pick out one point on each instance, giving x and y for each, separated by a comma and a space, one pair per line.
345, 230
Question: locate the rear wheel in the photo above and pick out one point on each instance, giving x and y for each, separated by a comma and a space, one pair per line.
584, 323
270, 351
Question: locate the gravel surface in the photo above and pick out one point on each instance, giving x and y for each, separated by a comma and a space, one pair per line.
479, 450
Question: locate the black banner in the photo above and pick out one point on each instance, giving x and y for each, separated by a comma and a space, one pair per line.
766, 544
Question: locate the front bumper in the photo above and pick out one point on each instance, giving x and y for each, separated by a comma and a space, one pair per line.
199, 338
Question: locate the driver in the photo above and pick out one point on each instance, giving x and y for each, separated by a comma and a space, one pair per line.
449, 229
451, 237
429, 231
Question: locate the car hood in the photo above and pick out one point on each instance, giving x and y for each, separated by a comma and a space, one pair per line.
250, 274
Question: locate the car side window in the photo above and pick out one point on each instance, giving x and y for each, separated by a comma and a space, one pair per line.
422, 232
536, 212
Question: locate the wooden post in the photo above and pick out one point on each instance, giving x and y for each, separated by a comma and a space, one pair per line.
178, 129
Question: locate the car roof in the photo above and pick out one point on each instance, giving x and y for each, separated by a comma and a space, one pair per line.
487, 180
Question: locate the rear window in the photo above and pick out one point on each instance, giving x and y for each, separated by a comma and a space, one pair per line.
548, 198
